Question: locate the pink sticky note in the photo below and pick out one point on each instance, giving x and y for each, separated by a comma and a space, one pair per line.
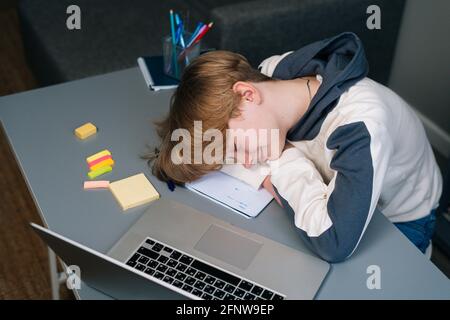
94, 162
96, 184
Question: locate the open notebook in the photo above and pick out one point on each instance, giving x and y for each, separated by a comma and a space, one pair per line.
153, 73
231, 193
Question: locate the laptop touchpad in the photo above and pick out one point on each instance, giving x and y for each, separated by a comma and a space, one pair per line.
228, 246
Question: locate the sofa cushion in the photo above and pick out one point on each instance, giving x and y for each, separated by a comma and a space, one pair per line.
260, 28
204, 7
113, 34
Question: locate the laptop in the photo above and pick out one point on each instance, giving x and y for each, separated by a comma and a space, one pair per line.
177, 252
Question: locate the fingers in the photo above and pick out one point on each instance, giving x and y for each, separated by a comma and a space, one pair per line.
277, 199
267, 184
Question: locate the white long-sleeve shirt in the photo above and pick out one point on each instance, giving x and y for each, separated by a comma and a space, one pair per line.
371, 152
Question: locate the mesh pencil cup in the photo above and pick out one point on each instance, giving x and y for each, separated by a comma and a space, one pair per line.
177, 58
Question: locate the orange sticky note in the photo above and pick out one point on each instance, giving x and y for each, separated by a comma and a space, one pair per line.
98, 160
107, 162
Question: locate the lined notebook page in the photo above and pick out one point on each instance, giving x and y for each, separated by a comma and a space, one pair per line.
231, 193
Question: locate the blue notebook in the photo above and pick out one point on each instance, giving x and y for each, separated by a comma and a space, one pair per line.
154, 76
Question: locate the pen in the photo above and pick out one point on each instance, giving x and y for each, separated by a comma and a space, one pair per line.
180, 37
178, 23
178, 34
172, 29
195, 40
183, 44
194, 34
203, 32
171, 185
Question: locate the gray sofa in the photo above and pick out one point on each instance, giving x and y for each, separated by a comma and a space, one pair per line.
115, 32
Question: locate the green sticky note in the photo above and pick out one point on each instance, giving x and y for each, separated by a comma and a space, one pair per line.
95, 173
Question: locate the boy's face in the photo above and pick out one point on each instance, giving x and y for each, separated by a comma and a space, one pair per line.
256, 135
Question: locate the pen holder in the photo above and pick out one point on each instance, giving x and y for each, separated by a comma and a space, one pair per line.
177, 58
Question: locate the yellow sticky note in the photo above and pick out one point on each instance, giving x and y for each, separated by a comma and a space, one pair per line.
133, 191
98, 155
107, 162
86, 130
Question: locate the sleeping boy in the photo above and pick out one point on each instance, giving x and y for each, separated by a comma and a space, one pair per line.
345, 144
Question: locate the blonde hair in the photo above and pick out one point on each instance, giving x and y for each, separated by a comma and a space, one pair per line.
205, 93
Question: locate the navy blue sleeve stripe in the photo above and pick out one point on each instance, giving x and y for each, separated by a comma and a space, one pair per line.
348, 205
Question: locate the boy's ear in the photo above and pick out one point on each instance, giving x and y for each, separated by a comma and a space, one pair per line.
247, 91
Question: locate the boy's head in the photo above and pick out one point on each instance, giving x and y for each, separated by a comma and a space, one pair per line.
214, 89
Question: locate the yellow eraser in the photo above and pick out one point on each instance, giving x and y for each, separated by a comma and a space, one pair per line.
98, 155
133, 191
95, 173
86, 130
107, 162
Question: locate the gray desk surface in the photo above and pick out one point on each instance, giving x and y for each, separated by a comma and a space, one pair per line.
40, 123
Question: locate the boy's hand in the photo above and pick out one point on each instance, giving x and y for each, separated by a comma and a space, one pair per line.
267, 184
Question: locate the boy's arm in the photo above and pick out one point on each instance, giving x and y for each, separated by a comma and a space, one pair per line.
332, 218
253, 176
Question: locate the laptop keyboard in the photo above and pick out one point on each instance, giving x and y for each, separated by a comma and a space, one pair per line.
196, 277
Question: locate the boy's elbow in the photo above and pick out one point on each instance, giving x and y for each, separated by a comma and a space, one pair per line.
332, 245
335, 257
335, 253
